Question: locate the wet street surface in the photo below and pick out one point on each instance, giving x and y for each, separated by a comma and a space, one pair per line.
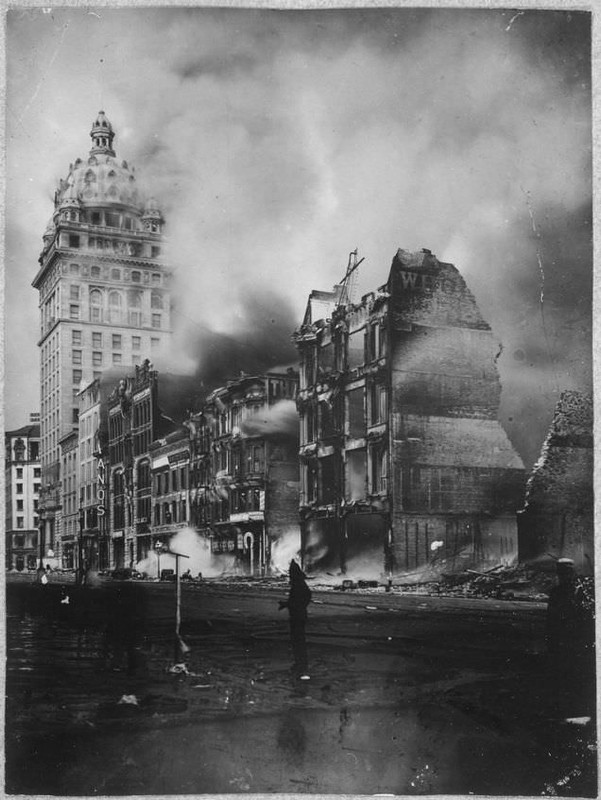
408, 695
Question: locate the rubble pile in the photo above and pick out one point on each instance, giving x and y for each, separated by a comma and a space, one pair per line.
499, 582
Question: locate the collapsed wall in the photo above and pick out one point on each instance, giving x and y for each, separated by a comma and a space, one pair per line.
459, 480
557, 518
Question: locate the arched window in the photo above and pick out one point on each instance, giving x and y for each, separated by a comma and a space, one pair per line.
156, 300
95, 305
89, 176
115, 307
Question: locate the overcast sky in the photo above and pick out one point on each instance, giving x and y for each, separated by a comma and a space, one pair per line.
278, 141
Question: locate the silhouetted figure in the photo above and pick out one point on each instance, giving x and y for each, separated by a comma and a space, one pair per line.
299, 598
570, 635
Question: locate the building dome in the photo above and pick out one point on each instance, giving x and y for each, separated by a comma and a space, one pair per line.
101, 179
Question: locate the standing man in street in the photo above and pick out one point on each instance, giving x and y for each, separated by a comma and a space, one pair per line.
570, 634
299, 598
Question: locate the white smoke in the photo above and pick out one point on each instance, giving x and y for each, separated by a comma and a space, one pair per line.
187, 542
284, 549
280, 418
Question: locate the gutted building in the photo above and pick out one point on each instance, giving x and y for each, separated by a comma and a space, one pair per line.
244, 479
144, 407
403, 460
557, 518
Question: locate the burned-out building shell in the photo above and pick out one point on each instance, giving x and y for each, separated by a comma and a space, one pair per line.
403, 459
557, 520
244, 468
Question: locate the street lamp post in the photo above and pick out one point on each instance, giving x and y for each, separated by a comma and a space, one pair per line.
179, 647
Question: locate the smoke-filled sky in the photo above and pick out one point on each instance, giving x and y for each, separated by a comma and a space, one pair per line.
277, 141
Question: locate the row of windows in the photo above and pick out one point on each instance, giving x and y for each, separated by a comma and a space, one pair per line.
97, 358
167, 513
326, 419
36, 471
21, 524
115, 316
354, 350
170, 481
125, 248
19, 488
98, 338
366, 472
20, 506
133, 297
115, 274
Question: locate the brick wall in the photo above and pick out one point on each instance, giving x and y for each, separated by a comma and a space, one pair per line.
557, 517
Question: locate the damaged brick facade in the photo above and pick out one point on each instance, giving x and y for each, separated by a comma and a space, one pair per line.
401, 448
557, 518
244, 468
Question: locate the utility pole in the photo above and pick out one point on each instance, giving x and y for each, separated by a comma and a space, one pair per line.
178, 644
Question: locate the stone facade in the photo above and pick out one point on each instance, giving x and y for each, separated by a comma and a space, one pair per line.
557, 520
104, 295
401, 449
22, 478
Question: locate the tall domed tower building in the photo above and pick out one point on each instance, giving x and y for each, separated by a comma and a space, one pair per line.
103, 296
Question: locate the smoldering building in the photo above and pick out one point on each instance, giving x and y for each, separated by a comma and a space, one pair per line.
402, 458
244, 469
557, 520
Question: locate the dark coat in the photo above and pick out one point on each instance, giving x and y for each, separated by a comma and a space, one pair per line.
299, 595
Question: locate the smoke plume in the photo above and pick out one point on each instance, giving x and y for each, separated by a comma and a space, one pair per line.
277, 141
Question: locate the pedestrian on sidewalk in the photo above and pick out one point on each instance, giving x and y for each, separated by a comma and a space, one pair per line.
299, 598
